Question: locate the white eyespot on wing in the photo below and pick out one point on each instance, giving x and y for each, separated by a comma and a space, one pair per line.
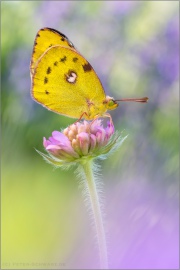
71, 76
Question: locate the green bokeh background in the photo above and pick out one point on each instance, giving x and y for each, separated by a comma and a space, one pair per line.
44, 219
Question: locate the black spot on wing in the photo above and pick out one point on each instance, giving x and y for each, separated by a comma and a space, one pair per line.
45, 80
56, 63
87, 67
63, 59
75, 59
48, 70
47, 92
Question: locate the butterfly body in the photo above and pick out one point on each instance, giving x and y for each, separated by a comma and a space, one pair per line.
63, 80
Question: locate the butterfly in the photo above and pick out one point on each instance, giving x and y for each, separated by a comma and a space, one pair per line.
64, 82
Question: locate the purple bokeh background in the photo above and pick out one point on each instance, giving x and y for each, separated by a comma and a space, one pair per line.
134, 48
144, 227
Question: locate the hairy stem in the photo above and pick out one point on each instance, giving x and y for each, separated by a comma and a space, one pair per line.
87, 167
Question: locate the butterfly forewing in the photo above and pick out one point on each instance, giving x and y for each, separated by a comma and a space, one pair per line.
45, 39
66, 83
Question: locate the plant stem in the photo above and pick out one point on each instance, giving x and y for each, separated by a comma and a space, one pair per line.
87, 167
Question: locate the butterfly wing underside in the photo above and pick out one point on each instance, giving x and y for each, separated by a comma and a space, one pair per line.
64, 82
45, 39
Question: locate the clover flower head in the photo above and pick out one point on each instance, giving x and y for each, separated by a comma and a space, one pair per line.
80, 141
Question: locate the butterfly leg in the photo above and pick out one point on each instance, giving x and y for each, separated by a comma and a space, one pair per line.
108, 115
104, 115
80, 117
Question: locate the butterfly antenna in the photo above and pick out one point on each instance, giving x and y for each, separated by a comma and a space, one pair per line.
142, 100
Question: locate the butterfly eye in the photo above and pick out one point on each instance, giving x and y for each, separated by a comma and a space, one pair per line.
111, 103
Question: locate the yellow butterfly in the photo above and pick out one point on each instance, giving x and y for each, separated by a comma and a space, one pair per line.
64, 81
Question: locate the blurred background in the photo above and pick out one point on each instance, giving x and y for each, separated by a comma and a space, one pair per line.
134, 48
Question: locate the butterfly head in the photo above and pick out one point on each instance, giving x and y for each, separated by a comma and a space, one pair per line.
110, 103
